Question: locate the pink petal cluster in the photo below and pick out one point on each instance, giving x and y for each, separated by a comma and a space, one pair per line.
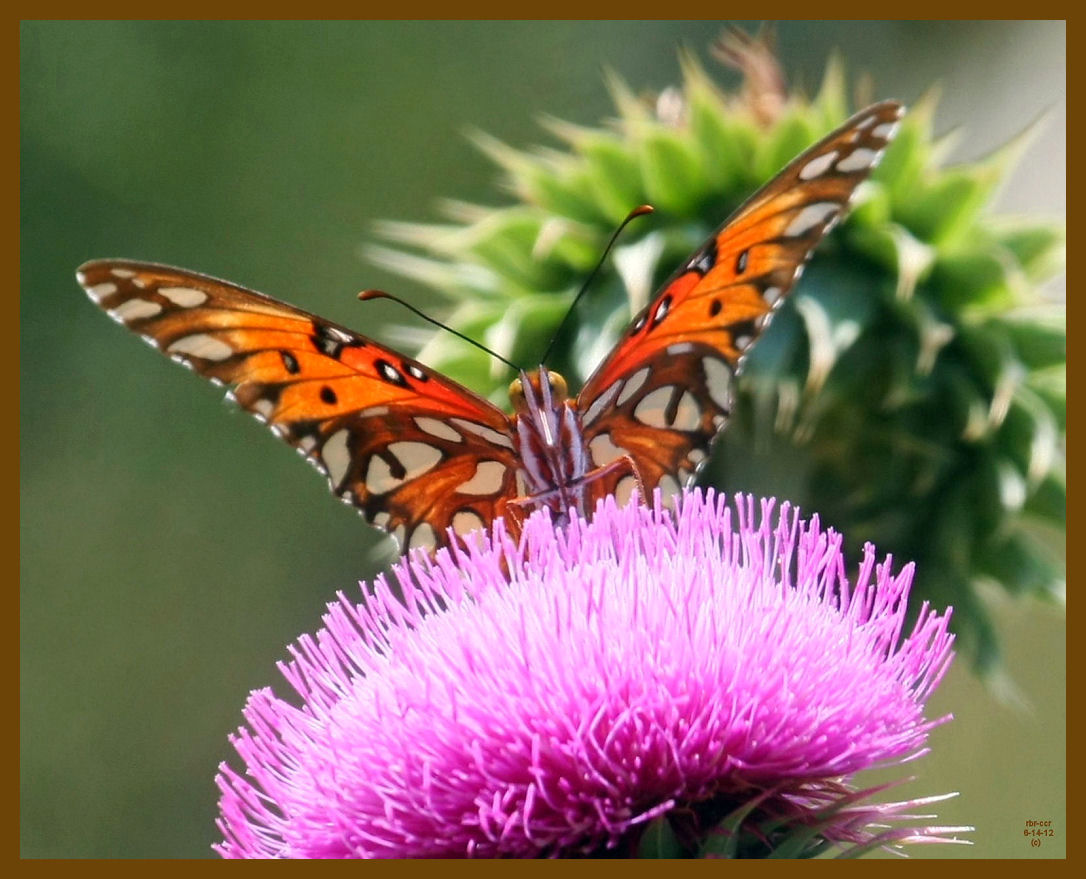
551, 697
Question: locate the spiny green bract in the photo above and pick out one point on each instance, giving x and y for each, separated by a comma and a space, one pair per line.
912, 391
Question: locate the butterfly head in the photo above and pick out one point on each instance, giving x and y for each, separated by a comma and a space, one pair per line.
540, 387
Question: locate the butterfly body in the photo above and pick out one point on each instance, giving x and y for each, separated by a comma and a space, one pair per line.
424, 457
557, 469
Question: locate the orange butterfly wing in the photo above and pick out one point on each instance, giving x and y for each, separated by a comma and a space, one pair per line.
419, 454
373, 421
665, 392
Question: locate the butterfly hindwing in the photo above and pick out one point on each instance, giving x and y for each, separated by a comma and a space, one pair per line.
664, 393
372, 420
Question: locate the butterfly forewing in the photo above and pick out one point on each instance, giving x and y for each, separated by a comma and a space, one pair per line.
665, 392
373, 421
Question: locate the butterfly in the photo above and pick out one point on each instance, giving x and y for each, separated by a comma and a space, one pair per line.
427, 459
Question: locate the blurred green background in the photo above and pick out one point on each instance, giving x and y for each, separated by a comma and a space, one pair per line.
170, 548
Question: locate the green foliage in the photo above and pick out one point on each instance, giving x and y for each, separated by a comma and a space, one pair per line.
776, 825
911, 392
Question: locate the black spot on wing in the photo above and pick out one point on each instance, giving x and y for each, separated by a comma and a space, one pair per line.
395, 466
390, 373
703, 261
331, 340
290, 362
661, 310
744, 328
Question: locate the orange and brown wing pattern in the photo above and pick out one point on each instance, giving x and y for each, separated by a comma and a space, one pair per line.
414, 451
665, 392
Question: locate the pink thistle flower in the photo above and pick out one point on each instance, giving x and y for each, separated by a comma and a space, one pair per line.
699, 683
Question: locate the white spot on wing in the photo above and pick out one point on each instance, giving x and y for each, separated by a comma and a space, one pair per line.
817, 166
465, 521
633, 384
811, 216
388, 372
185, 297
688, 413
650, 411
379, 479
122, 273
265, 407
337, 458
134, 309
201, 345
373, 412
887, 130
680, 348
492, 436
416, 458
100, 291
438, 428
488, 479
398, 534
604, 451
718, 381
600, 403
423, 536
772, 295
859, 159
381, 519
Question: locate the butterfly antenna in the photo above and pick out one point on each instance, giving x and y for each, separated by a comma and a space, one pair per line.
381, 294
639, 211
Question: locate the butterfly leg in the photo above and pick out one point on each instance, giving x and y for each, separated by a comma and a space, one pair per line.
619, 477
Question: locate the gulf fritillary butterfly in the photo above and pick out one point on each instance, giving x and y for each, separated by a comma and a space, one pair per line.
423, 457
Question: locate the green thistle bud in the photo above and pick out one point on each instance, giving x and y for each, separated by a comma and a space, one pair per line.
912, 391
